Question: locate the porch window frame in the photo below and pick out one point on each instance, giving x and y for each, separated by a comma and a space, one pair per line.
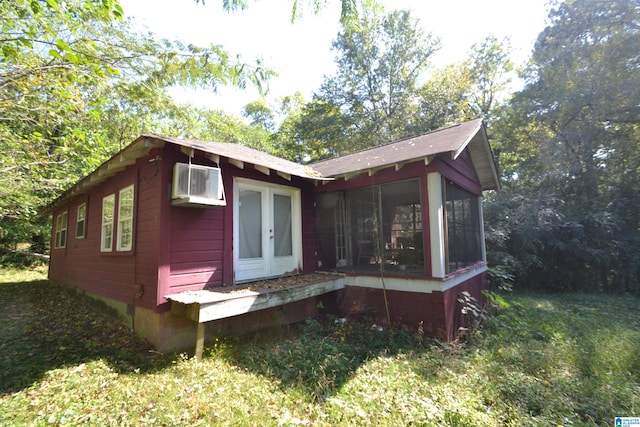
366, 234
471, 224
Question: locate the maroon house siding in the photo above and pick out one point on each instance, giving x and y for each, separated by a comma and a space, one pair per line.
196, 256
130, 276
309, 248
408, 309
199, 251
461, 171
439, 314
455, 318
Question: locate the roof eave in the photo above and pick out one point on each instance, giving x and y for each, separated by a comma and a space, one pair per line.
118, 162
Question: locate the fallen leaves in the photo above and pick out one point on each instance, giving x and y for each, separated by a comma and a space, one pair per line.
46, 326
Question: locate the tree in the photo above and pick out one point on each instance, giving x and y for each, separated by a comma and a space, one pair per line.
351, 10
488, 71
76, 84
372, 99
579, 131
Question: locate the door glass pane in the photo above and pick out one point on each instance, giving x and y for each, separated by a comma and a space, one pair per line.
282, 245
250, 224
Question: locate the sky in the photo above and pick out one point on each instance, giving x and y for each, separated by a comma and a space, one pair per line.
300, 52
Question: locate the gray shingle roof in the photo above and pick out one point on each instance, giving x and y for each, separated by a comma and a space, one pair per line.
453, 140
244, 154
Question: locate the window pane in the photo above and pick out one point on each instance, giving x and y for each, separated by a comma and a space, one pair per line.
282, 239
61, 230
464, 246
82, 211
108, 208
367, 227
250, 224
402, 226
125, 219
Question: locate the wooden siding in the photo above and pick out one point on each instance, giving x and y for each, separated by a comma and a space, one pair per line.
129, 277
461, 171
196, 256
455, 319
309, 248
409, 309
200, 248
439, 314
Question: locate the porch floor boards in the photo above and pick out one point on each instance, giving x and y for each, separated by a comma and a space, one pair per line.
218, 303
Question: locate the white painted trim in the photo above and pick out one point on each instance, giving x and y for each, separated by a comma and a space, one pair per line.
436, 224
208, 305
482, 237
267, 263
423, 286
463, 277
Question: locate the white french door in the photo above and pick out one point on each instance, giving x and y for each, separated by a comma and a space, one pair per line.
267, 231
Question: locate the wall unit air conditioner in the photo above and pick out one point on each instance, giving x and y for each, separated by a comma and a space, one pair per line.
195, 185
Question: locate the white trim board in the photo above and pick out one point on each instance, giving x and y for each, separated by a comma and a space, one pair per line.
425, 286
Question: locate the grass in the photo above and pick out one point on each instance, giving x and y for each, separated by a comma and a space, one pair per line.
548, 360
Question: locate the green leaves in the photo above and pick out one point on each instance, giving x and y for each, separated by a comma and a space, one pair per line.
374, 90
569, 142
77, 76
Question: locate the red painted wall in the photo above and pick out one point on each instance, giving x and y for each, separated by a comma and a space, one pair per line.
201, 244
176, 248
130, 277
408, 309
461, 171
439, 314
455, 318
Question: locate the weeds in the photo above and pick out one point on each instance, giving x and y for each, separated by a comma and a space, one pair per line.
552, 360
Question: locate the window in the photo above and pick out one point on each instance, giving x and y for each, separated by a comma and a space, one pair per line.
61, 230
81, 221
366, 227
462, 222
108, 210
125, 219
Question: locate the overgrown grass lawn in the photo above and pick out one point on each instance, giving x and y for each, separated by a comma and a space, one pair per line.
548, 360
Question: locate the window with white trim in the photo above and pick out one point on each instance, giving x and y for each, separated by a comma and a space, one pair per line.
81, 221
61, 230
125, 219
108, 211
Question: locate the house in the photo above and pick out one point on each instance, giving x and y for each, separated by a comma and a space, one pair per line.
179, 236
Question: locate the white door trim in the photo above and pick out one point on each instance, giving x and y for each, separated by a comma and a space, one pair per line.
268, 265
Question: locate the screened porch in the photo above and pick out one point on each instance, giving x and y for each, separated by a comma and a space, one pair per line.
385, 228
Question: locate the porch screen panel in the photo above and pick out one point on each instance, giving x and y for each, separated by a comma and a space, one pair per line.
462, 216
402, 224
250, 224
282, 238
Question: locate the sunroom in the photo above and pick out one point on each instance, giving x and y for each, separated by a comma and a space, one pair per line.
403, 222
381, 228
